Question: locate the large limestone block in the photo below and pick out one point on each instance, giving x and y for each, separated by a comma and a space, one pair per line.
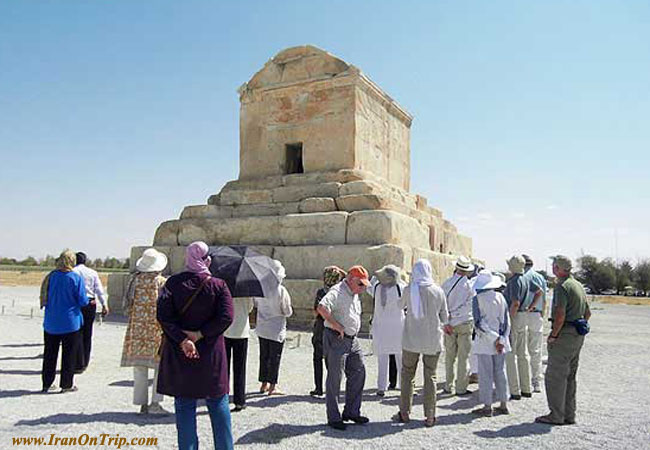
301, 192
315, 228
167, 233
443, 265
246, 231
361, 202
341, 176
245, 197
116, 287
309, 261
207, 211
317, 204
386, 227
268, 182
175, 258
360, 187
302, 292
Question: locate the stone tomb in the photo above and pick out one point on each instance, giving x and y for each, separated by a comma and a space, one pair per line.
324, 179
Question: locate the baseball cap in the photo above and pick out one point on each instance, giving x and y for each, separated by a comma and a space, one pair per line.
361, 273
563, 262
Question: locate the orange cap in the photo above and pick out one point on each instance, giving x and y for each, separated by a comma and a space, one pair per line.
359, 272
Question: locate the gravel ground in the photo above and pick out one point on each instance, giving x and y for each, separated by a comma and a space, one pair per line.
613, 396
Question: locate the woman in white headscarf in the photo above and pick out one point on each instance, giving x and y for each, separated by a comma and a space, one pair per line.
386, 288
425, 317
271, 329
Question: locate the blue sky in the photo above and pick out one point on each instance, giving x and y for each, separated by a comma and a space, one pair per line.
530, 132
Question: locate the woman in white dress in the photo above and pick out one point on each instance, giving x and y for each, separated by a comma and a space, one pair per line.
386, 287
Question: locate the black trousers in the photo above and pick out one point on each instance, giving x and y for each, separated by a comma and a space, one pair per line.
237, 352
70, 343
88, 313
270, 356
317, 359
392, 372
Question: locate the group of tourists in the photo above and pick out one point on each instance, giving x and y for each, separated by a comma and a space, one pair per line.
189, 331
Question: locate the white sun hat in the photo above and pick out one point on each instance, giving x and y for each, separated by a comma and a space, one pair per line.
151, 261
485, 280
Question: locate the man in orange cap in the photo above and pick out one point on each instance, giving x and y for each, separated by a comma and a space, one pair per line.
341, 309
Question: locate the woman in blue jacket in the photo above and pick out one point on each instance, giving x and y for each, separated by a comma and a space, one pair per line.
66, 295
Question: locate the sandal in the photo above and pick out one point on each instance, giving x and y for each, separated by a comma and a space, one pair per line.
429, 422
399, 418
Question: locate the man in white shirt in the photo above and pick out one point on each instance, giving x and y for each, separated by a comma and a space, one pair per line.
94, 292
341, 309
458, 332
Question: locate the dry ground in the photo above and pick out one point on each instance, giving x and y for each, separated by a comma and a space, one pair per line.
31, 278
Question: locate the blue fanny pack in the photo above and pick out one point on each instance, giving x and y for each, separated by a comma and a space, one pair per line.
582, 326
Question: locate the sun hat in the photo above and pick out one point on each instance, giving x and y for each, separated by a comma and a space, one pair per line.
151, 261
359, 272
563, 262
485, 280
516, 264
464, 264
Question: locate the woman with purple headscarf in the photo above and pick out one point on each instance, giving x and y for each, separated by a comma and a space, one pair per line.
194, 309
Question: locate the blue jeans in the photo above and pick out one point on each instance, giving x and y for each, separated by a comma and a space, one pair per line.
219, 417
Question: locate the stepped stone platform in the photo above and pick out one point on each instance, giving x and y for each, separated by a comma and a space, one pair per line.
324, 179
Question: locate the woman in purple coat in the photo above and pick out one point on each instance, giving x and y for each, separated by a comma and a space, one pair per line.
194, 309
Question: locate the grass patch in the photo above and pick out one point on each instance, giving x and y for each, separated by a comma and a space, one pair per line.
621, 300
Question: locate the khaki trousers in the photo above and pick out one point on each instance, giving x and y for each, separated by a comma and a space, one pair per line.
517, 360
563, 357
534, 341
409, 367
458, 345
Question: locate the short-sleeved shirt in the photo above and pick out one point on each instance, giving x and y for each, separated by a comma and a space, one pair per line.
516, 289
536, 282
570, 294
344, 306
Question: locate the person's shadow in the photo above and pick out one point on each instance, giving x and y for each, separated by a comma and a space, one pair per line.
515, 431
275, 433
18, 393
121, 417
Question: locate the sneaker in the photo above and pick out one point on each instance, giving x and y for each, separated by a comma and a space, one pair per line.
526, 394
337, 425
515, 397
158, 410
49, 389
70, 389
316, 393
238, 408
359, 420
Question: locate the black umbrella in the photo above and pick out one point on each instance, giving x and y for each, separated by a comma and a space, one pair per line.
246, 272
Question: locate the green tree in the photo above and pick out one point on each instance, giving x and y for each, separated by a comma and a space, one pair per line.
642, 276
98, 263
598, 276
624, 275
29, 261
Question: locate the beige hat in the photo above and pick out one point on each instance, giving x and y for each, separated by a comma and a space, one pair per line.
516, 264
464, 264
563, 262
151, 261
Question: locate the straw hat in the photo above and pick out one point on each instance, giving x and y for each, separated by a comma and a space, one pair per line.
464, 264
151, 261
516, 264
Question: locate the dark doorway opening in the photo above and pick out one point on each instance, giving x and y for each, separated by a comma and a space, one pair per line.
294, 158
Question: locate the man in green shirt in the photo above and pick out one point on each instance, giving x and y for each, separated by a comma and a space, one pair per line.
564, 345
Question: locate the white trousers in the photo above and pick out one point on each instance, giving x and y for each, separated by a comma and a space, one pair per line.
382, 376
473, 363
534, 339
141, 386
491, 376
517, 364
